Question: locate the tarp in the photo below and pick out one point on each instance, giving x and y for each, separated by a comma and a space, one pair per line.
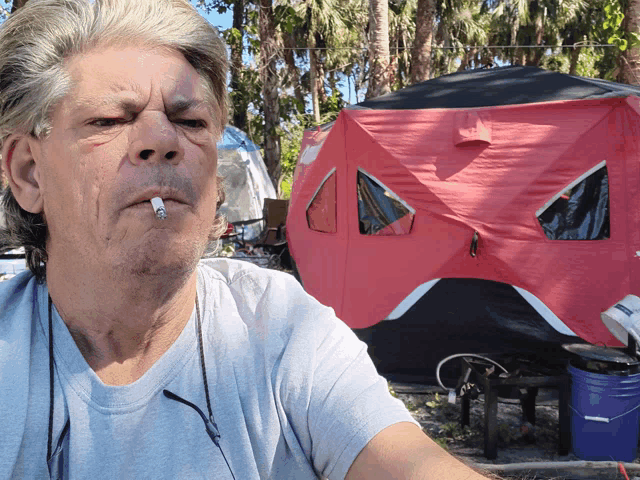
247, 181
516, 176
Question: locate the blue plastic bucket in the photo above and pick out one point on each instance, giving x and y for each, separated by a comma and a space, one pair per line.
605, 415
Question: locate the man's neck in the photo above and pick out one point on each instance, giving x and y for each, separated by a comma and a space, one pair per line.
122, 326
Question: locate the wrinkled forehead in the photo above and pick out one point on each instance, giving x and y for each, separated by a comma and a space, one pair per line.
130, 73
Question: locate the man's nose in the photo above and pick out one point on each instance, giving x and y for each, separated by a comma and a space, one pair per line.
153, 138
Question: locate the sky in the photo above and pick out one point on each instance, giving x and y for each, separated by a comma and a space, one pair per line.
221, 21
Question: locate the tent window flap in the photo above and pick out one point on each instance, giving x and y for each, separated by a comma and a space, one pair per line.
581, 211
321, 212
380, 211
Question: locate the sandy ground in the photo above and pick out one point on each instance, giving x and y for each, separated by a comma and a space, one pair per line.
517, 442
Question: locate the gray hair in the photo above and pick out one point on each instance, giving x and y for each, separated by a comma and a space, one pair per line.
34, 44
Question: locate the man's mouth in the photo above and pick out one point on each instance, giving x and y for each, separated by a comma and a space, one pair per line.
166, 195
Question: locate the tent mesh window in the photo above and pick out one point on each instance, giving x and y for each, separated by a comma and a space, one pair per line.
581, 211
321, 212
380, 211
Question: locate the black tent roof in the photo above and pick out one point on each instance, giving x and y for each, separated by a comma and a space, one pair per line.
498, 86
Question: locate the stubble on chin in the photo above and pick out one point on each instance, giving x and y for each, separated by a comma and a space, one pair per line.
160, 262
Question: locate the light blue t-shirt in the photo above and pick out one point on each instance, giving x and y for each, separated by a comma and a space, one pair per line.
293, 391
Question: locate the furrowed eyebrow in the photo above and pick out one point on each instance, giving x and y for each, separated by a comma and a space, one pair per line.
178, 107
121, 104
116, 103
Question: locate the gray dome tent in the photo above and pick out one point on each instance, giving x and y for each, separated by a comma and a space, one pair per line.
246, 181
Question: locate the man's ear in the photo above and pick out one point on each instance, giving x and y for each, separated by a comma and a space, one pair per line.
20, 167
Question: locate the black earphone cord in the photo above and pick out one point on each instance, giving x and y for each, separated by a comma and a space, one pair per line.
209, 423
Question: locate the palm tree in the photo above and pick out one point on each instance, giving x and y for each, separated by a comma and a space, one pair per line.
239, 95
293, 79
421, 51
577, 28
379, 77
540, 23
320, 20
402, 28
460, 23
630, 58
270, 94
507, 16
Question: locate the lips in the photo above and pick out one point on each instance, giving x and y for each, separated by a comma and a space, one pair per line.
164, 193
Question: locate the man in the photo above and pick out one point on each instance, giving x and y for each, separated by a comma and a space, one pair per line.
120, 355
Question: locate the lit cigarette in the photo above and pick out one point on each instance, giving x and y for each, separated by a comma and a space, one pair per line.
158, 207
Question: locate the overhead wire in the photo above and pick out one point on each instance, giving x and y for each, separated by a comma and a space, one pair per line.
435, 47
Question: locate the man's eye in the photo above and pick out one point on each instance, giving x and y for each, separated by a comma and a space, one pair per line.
189, 123
106, 122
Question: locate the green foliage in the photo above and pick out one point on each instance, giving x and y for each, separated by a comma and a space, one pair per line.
442, 442
506, 433
330, 109
613, 26
290, 140
290, 149
606, 64
287, 18
587, 63
227, 251
391, 390
285, 188
436, 402
556, 62
233, 36
412, 407
220, 6
452, 430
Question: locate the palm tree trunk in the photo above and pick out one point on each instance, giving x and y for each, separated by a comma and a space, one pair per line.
421, 51
401, 57
466, 59
238, 93
523, 56
379, 83
575, 56
536, 57
322, 93
630, 58
513, 40
313, 76
294, 73
269, 74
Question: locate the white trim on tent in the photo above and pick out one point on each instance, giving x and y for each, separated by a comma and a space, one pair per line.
331, 172
388, 190
411, 299
541, 210
545, 312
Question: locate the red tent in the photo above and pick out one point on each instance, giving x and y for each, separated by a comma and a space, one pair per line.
484, 210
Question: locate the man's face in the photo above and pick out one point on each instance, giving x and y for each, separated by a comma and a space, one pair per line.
135, 124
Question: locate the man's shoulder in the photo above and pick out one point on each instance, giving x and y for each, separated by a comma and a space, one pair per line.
17, 296
266, 296
233, 272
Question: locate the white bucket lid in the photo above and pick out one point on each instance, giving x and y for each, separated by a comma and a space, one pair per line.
623, 319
